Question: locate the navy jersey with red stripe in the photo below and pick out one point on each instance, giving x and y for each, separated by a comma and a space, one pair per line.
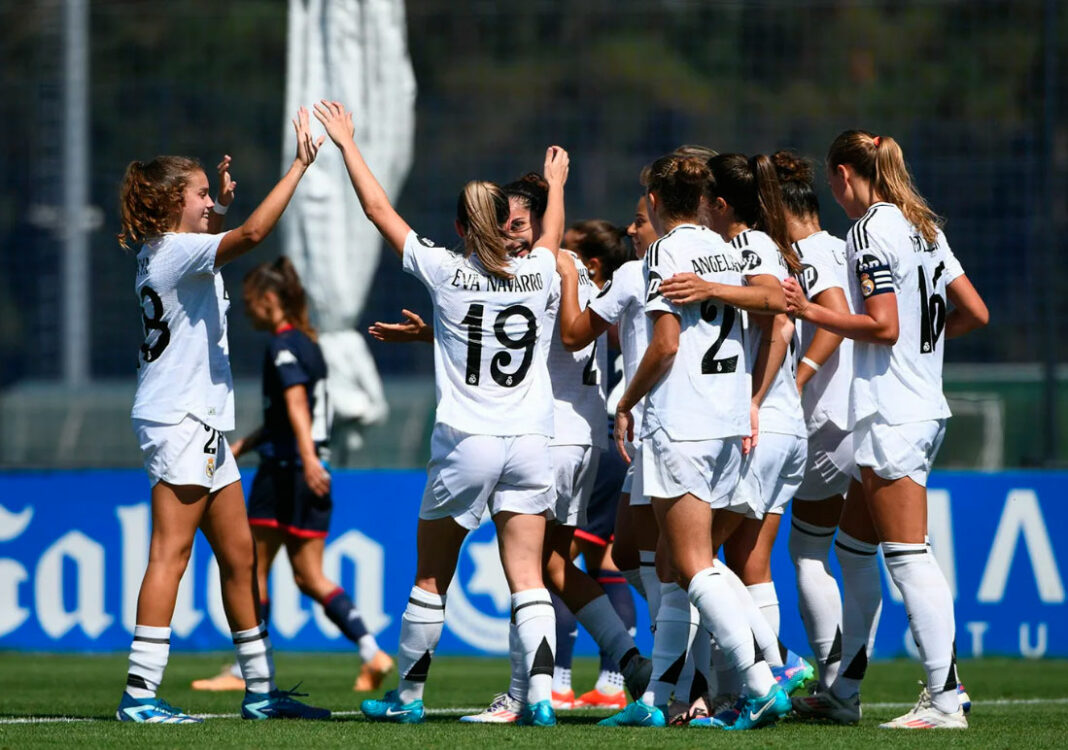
292, 358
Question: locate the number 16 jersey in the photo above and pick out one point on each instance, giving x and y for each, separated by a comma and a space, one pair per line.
490, 339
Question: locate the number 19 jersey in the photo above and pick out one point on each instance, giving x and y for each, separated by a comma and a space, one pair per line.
705, 394
885, 253
184, 363
490, 339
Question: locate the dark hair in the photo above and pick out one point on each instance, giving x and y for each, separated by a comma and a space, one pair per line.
532, 190
600, 239
152, 196
751, 187
796, 179
281, 278
880, 161
482, 209
704, 153
678, 182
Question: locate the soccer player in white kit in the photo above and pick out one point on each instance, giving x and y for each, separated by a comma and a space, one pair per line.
903, 278
694, 378
490, 445
183, 404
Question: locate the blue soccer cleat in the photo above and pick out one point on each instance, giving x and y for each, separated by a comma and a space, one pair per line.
794, 673
152, 711
389, 708
760, 711
540, 714
279, 704
637, 714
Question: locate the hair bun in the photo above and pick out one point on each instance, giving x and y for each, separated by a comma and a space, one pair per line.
792, 167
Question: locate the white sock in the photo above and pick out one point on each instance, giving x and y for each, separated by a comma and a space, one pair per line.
634, 578
929, 604
148, 658
766, 641
862, 603
602, 621
517, 688
726, 678
421, 625
368, 647
676, 623
609, 682
701, 655
650, 582
767, 602
723, 616
256, 658
561, 680
535, 626
818, 596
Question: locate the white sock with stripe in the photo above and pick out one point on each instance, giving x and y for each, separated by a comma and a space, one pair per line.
818, 596
149, 652
421, 625
676, 623
535, 626
862, 603
256, 658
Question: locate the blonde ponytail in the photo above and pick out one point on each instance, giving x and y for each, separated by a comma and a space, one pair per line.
481, 210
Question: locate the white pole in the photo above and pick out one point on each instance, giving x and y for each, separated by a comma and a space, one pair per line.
74, 229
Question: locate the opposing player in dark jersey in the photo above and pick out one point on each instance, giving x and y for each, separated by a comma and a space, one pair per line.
290, 503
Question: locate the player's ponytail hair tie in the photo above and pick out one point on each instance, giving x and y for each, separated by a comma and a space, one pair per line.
876, 139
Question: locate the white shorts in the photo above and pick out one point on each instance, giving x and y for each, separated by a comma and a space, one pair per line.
632, 482
899, 450
468, 472
707, 469
830, 464
189, 452
771, 473
575, 467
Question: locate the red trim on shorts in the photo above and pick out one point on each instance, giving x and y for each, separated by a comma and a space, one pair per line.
612, 579
588, 537
291, 530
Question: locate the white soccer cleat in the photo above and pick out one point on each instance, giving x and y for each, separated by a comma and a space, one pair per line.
503, 710
924, 715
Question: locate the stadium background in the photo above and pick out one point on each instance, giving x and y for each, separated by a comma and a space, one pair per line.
970, 88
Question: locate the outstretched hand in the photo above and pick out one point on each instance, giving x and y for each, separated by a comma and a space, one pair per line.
336, 120
307, 146
412, 329
227, 186
557, 163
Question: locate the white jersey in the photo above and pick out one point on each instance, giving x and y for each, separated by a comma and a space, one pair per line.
780, 411
903, 382
826, 395
184, 364
578, 378
489, 332
622, 301
706, 393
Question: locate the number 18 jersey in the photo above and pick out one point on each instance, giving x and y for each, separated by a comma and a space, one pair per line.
705, 394
885, 253
490, 339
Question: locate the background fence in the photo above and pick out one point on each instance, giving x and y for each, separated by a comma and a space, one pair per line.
969, 87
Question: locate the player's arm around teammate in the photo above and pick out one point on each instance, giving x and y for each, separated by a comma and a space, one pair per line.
184, 395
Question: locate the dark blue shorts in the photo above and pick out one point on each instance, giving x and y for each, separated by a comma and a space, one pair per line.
281, 499
601, 513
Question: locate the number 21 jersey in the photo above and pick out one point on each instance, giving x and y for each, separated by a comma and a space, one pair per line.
184, 362
490, 339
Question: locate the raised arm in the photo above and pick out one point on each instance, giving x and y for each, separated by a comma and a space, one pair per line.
260, 222
761, 294
373, 198
969, 311
223, 198
578, 328
557, 163
878, 324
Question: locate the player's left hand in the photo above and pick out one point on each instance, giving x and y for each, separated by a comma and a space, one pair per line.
317, 478
796, 301
624, 432
749, 443
412, 329
684, 288
227, 185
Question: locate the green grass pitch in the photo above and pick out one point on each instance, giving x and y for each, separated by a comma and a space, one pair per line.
1016, 704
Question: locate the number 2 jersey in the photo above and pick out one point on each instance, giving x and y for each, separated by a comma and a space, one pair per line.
885, 253
489, 339
184, 362
706, 393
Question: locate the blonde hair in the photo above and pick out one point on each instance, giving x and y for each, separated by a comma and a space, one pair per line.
152, 195
880, 160
482, 209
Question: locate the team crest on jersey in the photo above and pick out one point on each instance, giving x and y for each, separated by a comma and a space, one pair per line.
209, 467
479, 610
750, 260
874, 276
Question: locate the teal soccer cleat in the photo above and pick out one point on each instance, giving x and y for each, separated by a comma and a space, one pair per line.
389, 708
793, 674
540, 714
760, 711
637, 714
279, 704
152, 711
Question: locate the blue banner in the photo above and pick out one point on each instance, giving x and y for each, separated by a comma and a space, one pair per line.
73, 548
